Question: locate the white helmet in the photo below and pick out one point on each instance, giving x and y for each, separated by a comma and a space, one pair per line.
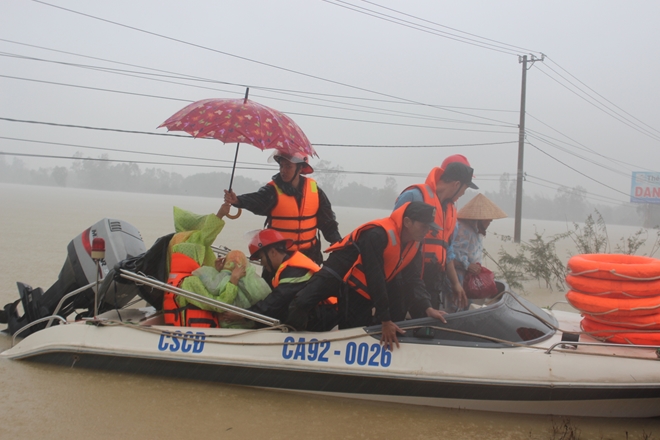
293, 158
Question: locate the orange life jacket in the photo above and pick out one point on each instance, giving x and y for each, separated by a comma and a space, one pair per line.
434, 247
182, 266
298, 259
395, 258
296, 222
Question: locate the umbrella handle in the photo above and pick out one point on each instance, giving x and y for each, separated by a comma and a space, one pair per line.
235, 216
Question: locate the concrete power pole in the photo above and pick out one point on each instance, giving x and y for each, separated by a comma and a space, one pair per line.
521, 144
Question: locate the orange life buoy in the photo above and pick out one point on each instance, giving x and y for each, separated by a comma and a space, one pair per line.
615, 266
613, 306
613, 288
646, 322
619, 335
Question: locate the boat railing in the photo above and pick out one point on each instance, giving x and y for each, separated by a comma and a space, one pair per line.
267, 320
574, 344
222, 251
64, 298
560, 303
35, 322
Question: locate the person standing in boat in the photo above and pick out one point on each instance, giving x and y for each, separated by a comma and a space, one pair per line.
294, 205
473, 220
443, 187
365, 262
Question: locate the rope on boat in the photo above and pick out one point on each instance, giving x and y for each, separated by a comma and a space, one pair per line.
218, 339
615, 273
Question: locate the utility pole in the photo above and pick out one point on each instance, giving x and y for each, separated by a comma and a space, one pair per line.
521, 143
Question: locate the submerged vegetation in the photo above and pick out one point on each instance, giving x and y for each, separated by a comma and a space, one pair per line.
537, 258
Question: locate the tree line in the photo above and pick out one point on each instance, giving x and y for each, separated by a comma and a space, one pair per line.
568, 204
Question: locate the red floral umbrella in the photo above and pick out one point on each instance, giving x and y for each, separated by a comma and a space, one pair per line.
242, 121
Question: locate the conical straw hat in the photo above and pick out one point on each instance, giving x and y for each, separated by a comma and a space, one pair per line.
480, 208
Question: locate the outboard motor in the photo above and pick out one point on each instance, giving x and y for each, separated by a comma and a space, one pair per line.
122, 241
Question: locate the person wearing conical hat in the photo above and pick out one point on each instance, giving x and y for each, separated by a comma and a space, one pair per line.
467, 244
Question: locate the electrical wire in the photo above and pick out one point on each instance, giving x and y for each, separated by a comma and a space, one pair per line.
577, 171
450, 28
601, 96
199, 46
421, 28
581, 146
559, 185
253, 168
299, 94
605, 110
87, 127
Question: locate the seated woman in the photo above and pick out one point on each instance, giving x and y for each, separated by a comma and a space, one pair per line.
189, 256
467, 243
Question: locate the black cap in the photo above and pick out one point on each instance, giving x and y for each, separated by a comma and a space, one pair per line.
421, 212
457, 171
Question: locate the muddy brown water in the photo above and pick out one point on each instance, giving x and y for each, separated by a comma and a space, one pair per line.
40, 400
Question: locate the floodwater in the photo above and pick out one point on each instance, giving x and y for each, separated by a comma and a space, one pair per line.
39, 400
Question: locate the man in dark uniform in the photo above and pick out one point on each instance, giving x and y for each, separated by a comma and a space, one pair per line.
366, 261
294, 205
291, 270
443, 187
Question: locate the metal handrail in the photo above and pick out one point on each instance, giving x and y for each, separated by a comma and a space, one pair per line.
68, 295
37, 321
558, 302
200, 298
601, 344
224, 250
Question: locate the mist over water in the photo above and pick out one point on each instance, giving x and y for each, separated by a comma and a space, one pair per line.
57, 402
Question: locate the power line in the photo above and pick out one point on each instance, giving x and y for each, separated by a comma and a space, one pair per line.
262, 168
395, 114
447, 27
418, 27
137, 162
559, 185
86, 127
586, 196
115, 150
94, 88
199, 46
581, 82
613, 170
298, 94
605, 110
415, 146
577, 171
581, 146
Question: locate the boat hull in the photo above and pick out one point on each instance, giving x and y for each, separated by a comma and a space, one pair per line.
351, 363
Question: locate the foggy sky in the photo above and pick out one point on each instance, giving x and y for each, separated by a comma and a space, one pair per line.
448, 92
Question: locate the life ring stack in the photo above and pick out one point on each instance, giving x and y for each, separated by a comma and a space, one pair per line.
618, 295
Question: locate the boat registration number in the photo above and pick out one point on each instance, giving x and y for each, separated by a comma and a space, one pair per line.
372, 355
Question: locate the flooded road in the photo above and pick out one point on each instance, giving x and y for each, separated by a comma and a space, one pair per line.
58, 402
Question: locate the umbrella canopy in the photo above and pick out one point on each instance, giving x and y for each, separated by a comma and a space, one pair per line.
241, 121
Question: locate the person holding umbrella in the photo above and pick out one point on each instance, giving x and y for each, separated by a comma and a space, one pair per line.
294, 205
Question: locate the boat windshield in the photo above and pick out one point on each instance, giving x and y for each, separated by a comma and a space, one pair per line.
509, 319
